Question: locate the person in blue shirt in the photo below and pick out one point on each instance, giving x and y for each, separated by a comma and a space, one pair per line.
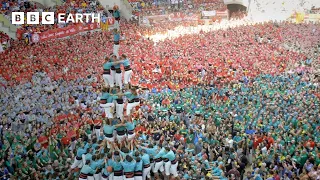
108, 130
127, 69
133, 100
78, 159
130, 126
97, 164
116, 40
117, 167
107, 77
116, 15
159, 161
151, 151
86, 171
172, 163
146, 164
129, 165
138, 169
107, 102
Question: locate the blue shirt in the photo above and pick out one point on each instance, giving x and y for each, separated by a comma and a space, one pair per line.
86, 169
117, 166
116, 14
105, 96
128, 166
107, 129
81, 151
130, 126
138, 166
160, 154
145, 159
96, 164
170, 155
151, 151
126, 62
107, 65
116, 37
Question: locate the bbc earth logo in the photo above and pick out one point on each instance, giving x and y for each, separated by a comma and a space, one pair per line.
49, 18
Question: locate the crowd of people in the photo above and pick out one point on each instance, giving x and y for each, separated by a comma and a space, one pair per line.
159, 7
228, 103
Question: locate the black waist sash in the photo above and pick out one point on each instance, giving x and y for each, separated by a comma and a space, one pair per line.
131, 132
113, 68
109, 135
83, 176
174, 161
106, 71
120, 133
146, 165
118, 71
104, 176
119, 101
166, 160
129, 174
117, 173
138, 173
116, 42
158, 160
127, 68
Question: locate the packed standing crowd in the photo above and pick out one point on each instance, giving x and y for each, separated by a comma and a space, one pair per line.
150, 8
200, 106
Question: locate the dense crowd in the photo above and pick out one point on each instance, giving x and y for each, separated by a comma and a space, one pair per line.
159, 7
207, 105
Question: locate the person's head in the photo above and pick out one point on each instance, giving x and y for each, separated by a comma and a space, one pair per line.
129, 158
167, 149
123, 56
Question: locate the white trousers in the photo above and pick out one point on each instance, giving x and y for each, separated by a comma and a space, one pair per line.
130, 106
107, 109
119, 110
152, 168
120, 138
77, 163
113, 74
127, 77
97, 176
90, 178
117, 24
118, 177
108, 80
138, 178
167, 166
158, 166
116, 48
83, 159
118, 78
128, 178
146, 173
102, 178
131, 136
173, 169
98, 132
83, 179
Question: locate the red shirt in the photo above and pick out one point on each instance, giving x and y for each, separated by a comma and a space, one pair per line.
311, 144
97, 122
